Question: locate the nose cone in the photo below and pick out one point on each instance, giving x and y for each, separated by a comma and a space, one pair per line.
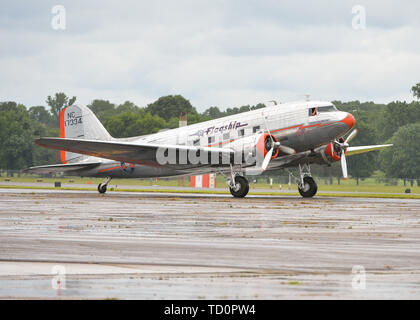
349, 120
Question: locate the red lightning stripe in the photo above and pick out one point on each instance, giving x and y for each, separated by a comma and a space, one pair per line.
108, 169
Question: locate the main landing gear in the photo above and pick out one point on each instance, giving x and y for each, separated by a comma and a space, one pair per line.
102, 186
307, 186
238, 185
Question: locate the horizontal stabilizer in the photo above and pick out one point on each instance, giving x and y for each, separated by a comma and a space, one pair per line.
57, 168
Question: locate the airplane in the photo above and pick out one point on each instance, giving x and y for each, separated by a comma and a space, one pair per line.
287, 135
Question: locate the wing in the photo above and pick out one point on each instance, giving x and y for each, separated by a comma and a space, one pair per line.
153, 155
362, 149
57, 168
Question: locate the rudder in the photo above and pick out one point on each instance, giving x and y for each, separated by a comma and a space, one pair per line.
80, 123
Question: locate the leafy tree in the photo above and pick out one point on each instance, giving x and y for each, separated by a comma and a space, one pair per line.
103, 109
127, 106
129, 124
395, 115
401, 160
57, 103
196, 118
416, 90
16, 139
258, 106
41, 115
18, 128
214, 113
172, 123
171, 106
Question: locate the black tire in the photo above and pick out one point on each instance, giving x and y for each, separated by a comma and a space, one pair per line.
310, 187
242, 187
101, 188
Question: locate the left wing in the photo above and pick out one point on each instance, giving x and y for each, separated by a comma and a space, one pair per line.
144, 153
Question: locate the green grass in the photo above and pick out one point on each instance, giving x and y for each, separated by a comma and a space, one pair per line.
96, 181
367, 185
209, 191
369, 188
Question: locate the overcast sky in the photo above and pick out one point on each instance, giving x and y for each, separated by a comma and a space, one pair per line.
223, 53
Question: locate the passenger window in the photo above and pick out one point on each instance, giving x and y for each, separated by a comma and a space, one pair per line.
255, 129
211, 140
241, 132
226, 136
196, 142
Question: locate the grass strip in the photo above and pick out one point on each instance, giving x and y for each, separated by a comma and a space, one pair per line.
252, 192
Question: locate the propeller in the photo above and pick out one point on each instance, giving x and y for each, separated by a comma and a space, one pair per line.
343, 147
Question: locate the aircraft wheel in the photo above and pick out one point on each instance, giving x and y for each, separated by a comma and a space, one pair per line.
101, 188
309, 187
241, 189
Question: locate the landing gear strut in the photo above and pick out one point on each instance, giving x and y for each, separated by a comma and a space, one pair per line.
307, 186
102, 186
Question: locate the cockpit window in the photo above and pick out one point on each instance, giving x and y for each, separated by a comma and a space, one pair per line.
330, 108
313, 111
316, 110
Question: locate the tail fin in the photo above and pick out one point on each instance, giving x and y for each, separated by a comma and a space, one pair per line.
80, 123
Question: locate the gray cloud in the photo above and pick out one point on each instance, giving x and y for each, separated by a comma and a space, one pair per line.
225, 53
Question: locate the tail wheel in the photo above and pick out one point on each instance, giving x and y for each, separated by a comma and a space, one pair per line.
309, 187
241, 187
101, 188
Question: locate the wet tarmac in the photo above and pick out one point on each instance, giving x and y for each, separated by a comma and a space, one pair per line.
75, 245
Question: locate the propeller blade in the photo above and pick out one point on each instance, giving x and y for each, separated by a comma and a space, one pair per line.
267, 159
362, 149
266, 127
351, 135
286, 150
344, 165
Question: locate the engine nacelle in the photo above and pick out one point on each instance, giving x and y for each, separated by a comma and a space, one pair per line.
265, 143
332, 152
259, 143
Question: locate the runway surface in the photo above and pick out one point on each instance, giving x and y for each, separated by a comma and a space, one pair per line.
72, 244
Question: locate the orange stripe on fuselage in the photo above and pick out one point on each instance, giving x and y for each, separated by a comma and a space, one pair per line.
62, 135
108, 169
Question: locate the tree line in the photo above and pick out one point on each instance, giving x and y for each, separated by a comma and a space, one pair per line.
397, 122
